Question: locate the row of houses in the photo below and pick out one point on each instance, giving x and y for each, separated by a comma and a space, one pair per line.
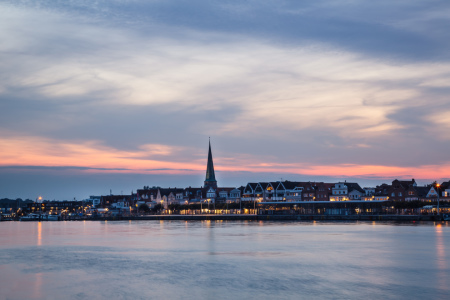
344, 191
277, 191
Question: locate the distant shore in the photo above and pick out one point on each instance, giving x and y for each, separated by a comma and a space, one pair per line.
238, 217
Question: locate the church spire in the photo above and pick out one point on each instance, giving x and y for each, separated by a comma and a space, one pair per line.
210, 179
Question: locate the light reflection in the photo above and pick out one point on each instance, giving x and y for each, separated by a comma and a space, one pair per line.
207, 223
38, 285
440, 257
39, 234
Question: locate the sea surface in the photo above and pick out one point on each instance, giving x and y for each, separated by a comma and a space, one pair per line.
224, 260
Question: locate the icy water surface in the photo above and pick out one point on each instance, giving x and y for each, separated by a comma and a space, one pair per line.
223, 260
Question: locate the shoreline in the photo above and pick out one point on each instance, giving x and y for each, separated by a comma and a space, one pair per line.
237, 217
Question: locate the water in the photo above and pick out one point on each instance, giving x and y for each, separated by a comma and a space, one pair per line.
223, 260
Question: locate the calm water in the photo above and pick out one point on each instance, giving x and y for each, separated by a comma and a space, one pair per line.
223, 260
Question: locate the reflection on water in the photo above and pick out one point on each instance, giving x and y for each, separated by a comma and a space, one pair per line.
39, 233
223, 260
443, 277
38, 286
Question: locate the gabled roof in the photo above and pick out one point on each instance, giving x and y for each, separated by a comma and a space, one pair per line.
328, 185
404, 183
274, 184
193, 192
263, 185
422, 191
354, 186
251, 185
147, 191
290, 185
445, 185
225, 189
166, 192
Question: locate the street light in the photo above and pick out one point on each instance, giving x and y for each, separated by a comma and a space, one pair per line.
437, 191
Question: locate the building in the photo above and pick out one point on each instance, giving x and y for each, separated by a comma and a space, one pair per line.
55, 207
250, 191
210, 192
115, 201
344, 191
402, 190
210, 180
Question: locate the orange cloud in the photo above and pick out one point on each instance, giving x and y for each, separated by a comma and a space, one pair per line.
33, 151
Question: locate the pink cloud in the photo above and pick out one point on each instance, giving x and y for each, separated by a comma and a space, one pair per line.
33, 151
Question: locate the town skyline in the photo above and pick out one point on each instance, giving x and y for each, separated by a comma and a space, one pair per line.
118, 95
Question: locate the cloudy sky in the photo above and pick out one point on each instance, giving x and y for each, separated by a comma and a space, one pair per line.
117, 94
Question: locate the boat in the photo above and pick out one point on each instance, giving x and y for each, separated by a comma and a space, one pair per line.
446, 217
50, 218
30, 217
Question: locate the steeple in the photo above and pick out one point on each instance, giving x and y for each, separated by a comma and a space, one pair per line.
210, 179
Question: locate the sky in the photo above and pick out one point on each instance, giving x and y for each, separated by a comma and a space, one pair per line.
111, 95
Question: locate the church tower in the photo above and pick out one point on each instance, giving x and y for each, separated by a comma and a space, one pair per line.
210, 180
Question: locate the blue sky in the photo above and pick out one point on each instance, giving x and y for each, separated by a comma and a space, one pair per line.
99, 95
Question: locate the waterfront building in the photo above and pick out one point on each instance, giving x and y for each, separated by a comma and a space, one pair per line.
235, 195
369, 191
323, 191
115, 201
224, 194
148, 194
288, 191
345, 191
194, 195
355, 192
445, 189
170, 196
54, 207
261, 191
249, 191
402, 190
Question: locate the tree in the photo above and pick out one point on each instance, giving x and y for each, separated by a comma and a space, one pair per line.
144, 208
157, 208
